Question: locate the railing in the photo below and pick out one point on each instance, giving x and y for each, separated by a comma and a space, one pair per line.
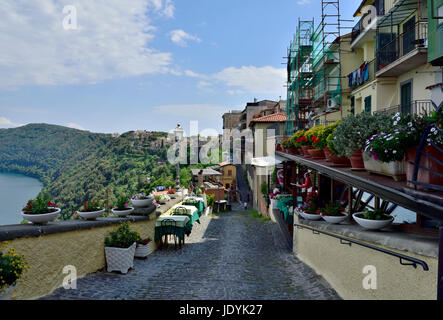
417, 107
362, 75
359, 28
415, 37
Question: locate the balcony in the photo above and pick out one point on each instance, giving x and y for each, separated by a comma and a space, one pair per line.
361, 33
404, 53
416, 107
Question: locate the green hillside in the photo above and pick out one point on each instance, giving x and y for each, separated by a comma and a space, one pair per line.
76, 165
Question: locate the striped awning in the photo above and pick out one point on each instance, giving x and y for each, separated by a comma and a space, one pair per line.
398, 13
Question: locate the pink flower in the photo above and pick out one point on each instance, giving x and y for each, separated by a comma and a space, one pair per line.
126, 205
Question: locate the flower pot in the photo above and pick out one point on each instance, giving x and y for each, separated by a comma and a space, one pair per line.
305, 151
294, 151
334, 219
316, 154
7, 294
143, 251
328, 154
118, 259
123, 213
357, 161
424, 176
142, 203
274, 203
394, 169
91, 215
42, 218
371, 224
342, 162
309, 216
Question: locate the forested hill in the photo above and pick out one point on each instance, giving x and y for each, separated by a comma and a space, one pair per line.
76, 165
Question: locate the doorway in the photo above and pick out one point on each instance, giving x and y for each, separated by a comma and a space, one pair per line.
406, 97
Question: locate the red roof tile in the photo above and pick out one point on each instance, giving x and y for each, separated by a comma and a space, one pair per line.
276, 117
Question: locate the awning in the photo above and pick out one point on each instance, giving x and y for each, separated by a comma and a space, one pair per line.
398, 13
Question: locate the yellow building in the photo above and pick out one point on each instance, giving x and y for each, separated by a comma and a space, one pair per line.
229, 174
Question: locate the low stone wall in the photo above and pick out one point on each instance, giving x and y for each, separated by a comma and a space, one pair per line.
49, 249
342, 265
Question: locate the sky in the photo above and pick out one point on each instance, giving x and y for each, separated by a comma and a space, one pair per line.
117, 65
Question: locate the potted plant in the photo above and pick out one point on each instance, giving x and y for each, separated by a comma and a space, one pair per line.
143, 248
122, 207
349, 139
285, 145
265, 192
40, 210
163, 199
333, 213
171, 193
373, 219
310, 209
210, 199
141, 200
90, 210
12, 266
120, 248
337, 161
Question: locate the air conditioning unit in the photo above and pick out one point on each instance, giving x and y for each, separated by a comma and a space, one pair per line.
332, 104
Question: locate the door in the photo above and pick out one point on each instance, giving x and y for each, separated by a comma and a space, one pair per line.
406, 97
368, 104
409, 36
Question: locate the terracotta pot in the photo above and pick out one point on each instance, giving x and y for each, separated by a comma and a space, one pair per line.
294, 151
300, 151
278, 148
317, 154
357, 161
424, 176
328, 154
305, 151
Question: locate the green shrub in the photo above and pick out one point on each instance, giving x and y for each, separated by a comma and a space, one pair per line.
123, 237
210, 199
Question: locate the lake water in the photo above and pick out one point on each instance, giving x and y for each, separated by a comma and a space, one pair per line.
15, 191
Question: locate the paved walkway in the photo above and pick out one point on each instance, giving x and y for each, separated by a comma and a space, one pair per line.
230, 257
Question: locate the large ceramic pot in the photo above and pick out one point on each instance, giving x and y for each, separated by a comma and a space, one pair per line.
357, 161
118, 259
123, 213
394, 169
334, 219
142, 203
91, 215
316, 154
42, 218
424, 176
306, 152
371, 224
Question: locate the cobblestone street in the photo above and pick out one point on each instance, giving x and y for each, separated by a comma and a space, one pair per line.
227, 257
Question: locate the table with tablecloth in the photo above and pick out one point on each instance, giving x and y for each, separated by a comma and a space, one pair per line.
180, 227
196, 202
189, 211
283, 205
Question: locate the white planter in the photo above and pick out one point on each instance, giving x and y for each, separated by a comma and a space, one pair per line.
118, 259
394, 169
274, 203
308, 216
162, 201
208, 210
142, 203
372, 224
123, 213
143, 251
334, 219
41, 218
6, 295
91, 215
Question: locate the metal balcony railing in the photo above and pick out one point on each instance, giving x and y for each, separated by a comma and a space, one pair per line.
415, 37
359, 27
416, 107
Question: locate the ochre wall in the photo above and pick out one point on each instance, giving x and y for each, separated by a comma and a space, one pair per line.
342, 266
48, 255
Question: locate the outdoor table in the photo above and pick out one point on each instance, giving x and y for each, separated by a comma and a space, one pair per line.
181, 228
196, 202
191, 212
283, 205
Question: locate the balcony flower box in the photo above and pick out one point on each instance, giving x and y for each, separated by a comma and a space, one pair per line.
394, 169
306, 152
120, 259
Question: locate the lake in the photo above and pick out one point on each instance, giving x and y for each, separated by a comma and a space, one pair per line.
15, 191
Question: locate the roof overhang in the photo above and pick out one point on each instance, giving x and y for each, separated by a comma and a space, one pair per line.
398, 13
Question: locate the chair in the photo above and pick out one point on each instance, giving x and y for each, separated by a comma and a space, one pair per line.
180, 211
168, 228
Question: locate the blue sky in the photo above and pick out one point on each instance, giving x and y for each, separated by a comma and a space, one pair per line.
144, 64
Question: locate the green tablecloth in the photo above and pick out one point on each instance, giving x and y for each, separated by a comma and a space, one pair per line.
181, 227
191, 213
283, 205
199, 204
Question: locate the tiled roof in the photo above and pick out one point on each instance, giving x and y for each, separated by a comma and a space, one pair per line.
276, 117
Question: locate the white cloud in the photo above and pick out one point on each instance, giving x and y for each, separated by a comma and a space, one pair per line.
75, 126
249, 80
6, 123
181, 37
111, 41
303, 2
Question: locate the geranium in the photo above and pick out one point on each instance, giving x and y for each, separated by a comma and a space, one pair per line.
333, 209
311, 205
40, 205
171, 191
122, 203
91, 206
140, 196
303, 141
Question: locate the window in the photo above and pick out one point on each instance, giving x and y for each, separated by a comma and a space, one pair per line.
368, 104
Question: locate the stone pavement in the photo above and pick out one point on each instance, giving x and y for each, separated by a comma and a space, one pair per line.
232, 256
